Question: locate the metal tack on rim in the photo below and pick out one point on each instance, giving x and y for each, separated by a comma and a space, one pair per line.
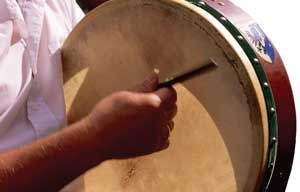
256, 60
201, 3
223, 18
240, 37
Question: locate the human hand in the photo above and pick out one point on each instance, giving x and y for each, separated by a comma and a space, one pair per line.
128, 124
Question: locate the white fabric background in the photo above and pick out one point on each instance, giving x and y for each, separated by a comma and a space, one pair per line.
280, 21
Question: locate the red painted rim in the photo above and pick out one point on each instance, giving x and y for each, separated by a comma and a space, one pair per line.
283, 97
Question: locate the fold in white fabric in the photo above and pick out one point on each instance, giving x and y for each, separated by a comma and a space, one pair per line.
31, 94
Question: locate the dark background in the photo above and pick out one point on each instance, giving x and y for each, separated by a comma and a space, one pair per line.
84, 6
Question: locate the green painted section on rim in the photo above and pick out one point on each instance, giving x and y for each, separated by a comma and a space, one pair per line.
269, 99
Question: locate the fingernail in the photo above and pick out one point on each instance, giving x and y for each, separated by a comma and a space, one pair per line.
156, 99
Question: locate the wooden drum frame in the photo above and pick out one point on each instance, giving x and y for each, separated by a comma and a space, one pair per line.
117, 44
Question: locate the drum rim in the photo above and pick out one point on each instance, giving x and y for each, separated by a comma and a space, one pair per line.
273, 115
262, 77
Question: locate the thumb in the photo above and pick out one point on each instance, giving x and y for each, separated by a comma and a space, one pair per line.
150, 83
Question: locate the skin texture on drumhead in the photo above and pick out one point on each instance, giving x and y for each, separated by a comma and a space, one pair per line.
220, 135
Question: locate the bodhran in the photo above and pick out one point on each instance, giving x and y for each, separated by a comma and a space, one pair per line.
235, 127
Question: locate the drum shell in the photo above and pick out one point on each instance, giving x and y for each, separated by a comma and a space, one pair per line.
283, 97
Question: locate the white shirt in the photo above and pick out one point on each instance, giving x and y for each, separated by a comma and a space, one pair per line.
31, 95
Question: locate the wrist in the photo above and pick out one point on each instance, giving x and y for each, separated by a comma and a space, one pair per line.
90, 140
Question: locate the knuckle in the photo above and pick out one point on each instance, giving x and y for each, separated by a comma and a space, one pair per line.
173, 93
146, 84
174, 111
121, 96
